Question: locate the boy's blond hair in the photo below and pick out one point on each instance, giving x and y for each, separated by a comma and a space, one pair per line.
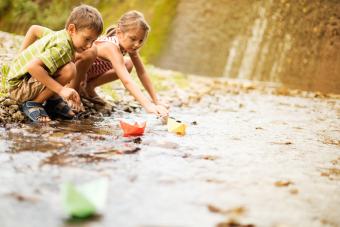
129, 20
85, 16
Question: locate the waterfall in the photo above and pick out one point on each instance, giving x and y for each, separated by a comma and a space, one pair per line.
253, 46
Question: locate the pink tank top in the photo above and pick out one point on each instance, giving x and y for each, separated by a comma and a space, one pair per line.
101, 66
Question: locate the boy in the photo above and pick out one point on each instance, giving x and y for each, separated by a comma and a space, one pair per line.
45, 67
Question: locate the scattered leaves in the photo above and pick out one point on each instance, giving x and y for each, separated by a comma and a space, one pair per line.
65, 158
331, 172
331, 141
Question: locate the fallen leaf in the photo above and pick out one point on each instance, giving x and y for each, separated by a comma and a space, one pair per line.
233, 223
23, 198
331, 141
331, 172
283, 183
215, 209
294, 191
283, 143
236, 211
209, 157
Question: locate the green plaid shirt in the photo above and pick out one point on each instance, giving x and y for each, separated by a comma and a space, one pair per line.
54, 49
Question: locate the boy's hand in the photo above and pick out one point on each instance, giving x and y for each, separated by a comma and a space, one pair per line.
76, 108
69, 94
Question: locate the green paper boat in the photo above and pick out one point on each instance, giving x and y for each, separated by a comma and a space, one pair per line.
84, 200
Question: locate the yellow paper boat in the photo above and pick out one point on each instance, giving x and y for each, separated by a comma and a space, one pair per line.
176, 126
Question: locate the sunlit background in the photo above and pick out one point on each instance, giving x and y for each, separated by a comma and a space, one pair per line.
288, 41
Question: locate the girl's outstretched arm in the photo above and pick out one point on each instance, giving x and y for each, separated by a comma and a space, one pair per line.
112, 53
143, 76
33, 33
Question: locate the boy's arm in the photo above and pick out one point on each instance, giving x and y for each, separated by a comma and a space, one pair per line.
143, 76
33, 33
37, 70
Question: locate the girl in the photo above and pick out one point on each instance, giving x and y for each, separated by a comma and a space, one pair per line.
105, 62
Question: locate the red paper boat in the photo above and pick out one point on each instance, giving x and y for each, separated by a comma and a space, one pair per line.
132, 129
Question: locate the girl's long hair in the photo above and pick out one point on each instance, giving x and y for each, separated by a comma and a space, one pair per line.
129, 20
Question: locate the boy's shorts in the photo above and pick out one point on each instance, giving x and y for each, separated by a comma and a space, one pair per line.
28, 89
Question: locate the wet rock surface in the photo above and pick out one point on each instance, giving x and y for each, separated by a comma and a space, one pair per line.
293, 42
255, 154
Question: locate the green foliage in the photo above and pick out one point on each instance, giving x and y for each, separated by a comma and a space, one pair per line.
17, 16
107, 89
24, 11
4, 73
163, 14
48, 17
158, 13
4, 5
167, 80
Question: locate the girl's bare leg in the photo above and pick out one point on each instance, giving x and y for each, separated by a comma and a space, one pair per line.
106, 77
83, 63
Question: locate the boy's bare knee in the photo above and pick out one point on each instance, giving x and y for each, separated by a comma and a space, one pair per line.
129, 65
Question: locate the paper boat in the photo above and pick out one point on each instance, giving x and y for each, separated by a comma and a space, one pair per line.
176, 126
132, 129
84, 200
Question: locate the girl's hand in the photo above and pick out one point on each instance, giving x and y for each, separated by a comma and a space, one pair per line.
159, 110
162, 111
164, 104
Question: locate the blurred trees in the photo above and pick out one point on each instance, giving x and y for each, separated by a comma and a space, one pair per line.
16, 16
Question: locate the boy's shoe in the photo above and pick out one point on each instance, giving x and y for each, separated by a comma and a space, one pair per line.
34, 110
58, 108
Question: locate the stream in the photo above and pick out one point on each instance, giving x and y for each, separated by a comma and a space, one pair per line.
247, 159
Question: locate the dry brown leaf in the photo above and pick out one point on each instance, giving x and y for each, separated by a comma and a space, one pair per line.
215, 209
294, 191
236, 211
209, 157
283, 143
233, 223
283, 183
22, 198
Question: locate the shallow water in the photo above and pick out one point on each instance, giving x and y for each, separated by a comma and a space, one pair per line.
257, 159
